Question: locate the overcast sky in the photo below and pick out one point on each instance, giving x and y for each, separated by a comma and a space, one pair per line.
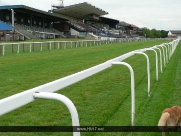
158, 14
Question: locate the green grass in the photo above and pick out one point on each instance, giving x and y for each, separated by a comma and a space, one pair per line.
102, 99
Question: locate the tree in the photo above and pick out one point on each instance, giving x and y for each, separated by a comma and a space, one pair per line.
154, 33
147, 33
164, 33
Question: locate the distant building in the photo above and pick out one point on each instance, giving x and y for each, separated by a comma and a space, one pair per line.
174, 33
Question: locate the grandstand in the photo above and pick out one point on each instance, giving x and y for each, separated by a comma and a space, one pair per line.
29, 22
81, 20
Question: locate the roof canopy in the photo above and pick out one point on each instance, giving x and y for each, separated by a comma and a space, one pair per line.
80, 10
134, 26
122, 23
175, 31
109, 20
33, 11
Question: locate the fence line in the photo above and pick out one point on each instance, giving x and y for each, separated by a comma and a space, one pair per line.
13, 102
80, 43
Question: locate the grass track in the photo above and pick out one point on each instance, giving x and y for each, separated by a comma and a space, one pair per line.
101, 100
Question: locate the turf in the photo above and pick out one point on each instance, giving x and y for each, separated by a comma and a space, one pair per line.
102, 99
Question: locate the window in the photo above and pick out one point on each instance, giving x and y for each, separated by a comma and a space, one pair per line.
22, 20
15, 19
39, 23
34, 22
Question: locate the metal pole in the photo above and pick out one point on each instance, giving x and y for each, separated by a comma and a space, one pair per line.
12, 11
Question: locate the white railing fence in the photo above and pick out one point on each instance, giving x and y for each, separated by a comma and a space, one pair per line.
66, 101
40, 46
47, 90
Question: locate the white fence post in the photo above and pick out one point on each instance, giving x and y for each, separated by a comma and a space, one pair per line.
66, 101
163, 55
166, 55
156, 60
132, 90
18, 49
148, 70
160, 57
76, 44
4, 50
30, 47
65, 45
169, 46
41, 48
50, 45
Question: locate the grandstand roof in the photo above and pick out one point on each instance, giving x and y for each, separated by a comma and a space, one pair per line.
124, 23
175, 31
109, 20
134, 26
27, 9
80, 10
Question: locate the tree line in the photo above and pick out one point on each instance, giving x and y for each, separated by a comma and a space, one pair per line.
153, 33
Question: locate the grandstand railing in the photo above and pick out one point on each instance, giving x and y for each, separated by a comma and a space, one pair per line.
47, 90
